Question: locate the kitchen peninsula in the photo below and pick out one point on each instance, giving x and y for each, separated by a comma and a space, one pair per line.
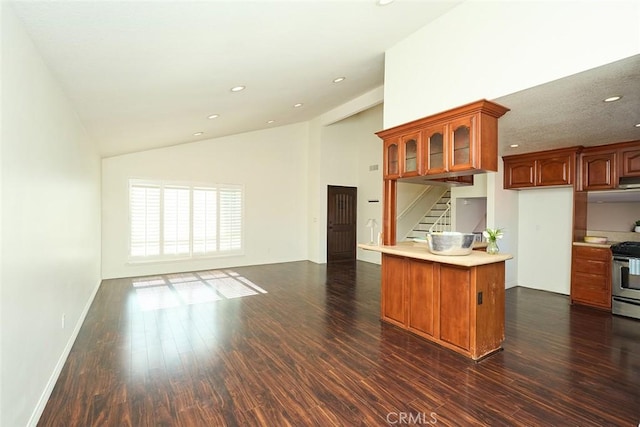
454, 301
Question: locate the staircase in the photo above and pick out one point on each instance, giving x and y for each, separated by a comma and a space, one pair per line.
422, 228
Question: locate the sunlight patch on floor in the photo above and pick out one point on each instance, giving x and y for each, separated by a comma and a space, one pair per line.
174, 290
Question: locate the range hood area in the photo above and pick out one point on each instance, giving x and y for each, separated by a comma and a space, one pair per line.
629, 195
629, 182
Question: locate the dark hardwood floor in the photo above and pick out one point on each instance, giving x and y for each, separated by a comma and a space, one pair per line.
312, 351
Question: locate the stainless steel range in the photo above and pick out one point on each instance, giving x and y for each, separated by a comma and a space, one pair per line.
626, 279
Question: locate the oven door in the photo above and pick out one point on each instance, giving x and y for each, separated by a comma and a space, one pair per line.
624, 284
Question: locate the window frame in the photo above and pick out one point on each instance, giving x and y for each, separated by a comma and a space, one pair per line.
191, 186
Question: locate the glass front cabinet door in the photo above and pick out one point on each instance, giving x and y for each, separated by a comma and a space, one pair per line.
435, 152
391, 159
410, 149
462, 144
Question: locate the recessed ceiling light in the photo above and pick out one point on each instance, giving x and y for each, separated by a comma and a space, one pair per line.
238, 88
213, 116
270, 121
514, 145
198, 133
339, 79
298, 105
384, 2
612, 98
637, 125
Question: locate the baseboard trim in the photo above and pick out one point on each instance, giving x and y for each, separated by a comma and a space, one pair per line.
46, 394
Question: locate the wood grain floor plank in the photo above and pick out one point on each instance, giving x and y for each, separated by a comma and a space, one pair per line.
312, 351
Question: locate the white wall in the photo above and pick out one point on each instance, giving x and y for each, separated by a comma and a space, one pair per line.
50, 226
545, 234
343, 153
338, 165
503, 212
621, 216
471, 214
484, 49
490, 49
370, 185
272, 166
459, 193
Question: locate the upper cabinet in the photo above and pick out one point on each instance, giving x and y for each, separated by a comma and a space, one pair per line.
598, 169
520, 172
435, 157
462, 148
588, 169
541, 169
410, 149
629, 157
462, 141
391, 159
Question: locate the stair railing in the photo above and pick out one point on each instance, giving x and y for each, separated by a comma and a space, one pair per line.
443, 223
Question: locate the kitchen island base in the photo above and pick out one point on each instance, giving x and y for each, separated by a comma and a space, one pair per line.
460, 307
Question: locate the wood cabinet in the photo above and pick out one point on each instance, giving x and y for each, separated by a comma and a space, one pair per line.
600, 167
629, 157
461, 141
598, 170
391, 159
591, 276
403, 156
434, 152
393, 296
519, 173
422, 278
461, 308
410, 152
541, 169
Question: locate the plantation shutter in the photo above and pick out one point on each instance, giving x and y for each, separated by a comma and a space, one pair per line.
177, 223
145, 220
230, 219
204, 221
170, 221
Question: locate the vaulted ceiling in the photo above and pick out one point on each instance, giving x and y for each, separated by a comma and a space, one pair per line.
143, 75
149, 74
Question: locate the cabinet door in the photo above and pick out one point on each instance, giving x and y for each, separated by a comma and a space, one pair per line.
422, 294
410, 149
434, 152
519, 174
598, 171
555, 170
393, 295
455, 312
461, 148
630, 162
391, 159
591, 276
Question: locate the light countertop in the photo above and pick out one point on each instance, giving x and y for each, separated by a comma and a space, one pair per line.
595, 245
421, 251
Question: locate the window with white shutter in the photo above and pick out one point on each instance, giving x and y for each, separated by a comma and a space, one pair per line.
230, 219
205, 220
177, 218
145, 220
171, 220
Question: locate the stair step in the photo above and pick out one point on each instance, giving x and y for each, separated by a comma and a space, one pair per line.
429, 220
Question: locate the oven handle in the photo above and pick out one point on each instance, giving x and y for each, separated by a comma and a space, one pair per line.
621, 259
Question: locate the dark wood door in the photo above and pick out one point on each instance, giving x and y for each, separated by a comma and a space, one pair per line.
342, 204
